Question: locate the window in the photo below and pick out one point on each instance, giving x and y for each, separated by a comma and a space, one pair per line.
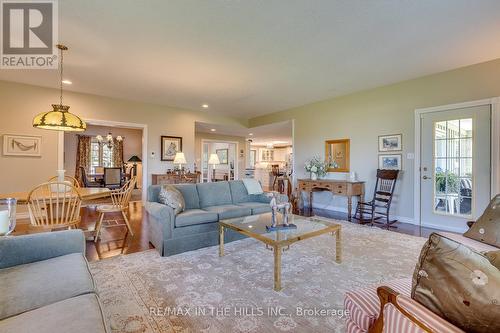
100, 155
453, 172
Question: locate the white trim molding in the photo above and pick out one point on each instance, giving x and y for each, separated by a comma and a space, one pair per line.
236, 156
110, 123
495, 149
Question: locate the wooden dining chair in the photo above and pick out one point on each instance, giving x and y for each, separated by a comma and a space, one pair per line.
379, 207
277, 178
113, 177
69, 179
54, 205
120, 199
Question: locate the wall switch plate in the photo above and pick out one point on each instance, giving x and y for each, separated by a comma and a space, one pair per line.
410, 156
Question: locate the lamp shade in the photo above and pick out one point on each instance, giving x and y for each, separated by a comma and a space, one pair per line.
59, 119
214, 159
134, 159
180, 158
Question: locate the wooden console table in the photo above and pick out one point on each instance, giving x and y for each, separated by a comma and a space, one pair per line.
344, 188
173, 178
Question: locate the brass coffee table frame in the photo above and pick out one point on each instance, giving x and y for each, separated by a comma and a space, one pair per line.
277, 246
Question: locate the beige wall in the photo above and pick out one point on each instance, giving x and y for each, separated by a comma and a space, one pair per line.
19, 103
241, 145
364, 116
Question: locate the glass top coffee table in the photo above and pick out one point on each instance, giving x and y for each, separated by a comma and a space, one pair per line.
255, 226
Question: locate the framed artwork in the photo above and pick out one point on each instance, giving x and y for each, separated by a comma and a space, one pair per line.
222, 154
393, 142
170, 145
390, 162
337, 154
22, 145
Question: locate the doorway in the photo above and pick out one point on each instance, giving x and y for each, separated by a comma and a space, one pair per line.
219, 160
134, 150
454, 170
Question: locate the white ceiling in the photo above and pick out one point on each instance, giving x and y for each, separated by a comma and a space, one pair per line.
278, 134
247, 58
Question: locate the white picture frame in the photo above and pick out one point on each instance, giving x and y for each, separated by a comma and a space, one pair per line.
390, 162
22, 145
391, 142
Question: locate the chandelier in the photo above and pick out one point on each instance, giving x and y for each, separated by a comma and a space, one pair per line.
108, 140
59, 118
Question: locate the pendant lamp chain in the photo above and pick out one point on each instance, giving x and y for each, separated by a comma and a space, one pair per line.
61, 48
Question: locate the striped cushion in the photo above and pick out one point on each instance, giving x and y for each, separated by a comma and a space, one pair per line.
364, 306
396, 322
430, 319
351, 327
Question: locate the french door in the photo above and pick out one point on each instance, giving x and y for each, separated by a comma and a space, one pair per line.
455, 175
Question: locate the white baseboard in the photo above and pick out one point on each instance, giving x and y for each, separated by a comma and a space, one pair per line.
402, 219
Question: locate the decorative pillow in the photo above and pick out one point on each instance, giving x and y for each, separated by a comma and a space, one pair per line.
494, 258
172, 197
487, 227
458, 284
253, 186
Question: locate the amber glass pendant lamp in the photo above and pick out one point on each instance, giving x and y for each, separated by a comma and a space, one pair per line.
59, 118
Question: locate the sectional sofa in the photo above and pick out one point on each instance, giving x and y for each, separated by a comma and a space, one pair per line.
206, 204
46, 285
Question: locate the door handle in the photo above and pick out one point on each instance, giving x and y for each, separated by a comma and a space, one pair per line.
425, 177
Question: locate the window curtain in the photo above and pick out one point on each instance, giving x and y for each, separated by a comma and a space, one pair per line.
117, 153
82, 155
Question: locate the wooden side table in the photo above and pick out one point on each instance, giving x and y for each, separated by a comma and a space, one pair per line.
344, 188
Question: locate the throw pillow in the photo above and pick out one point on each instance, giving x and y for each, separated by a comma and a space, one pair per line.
487, 227
494, 258
458, 284
253, 186
172, 197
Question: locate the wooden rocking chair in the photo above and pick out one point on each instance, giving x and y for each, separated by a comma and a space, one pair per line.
379, 207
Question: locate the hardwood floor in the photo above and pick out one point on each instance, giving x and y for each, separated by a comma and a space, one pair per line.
115, 239
404, 228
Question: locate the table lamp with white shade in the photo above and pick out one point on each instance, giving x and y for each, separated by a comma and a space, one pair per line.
180, 159
213, 160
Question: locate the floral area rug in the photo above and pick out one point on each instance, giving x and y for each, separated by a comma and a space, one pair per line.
199, 291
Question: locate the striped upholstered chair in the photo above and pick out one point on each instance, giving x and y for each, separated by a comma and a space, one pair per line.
390, 309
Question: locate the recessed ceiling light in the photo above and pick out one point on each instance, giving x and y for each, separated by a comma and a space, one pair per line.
212, 130
250, 134
67, 82
205, 106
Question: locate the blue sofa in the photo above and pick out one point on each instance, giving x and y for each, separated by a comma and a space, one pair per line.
46, 285
206, 204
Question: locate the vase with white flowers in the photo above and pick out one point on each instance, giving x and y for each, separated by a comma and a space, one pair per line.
316, 167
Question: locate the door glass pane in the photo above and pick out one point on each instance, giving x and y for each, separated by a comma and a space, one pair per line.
466, 147
453, 171
453, 129
440, 130
453, 149
440, 148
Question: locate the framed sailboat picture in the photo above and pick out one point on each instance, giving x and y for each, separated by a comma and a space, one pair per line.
22, 145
